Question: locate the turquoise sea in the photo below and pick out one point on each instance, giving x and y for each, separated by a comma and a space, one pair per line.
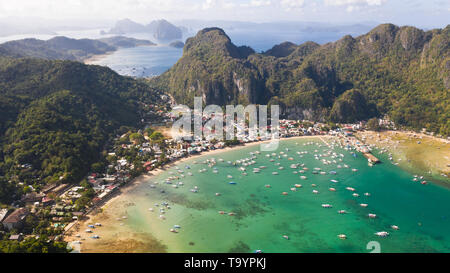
264, 215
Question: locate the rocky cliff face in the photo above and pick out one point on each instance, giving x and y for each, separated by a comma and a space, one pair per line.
214, 68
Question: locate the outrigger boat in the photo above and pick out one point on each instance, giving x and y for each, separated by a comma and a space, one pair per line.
382, 234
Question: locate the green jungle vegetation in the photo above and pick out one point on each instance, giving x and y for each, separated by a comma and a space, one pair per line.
402, 72
57, 117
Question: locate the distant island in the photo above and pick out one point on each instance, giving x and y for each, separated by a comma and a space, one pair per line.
126, 42
160, 29
177, 44
63, 48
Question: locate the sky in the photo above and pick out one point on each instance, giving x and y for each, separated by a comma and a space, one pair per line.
421, 13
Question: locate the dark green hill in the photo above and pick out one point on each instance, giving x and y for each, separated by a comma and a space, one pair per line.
282, 50
58, 115
211, 65
58, 48
402, 71
63, 48
125, 42
177, 44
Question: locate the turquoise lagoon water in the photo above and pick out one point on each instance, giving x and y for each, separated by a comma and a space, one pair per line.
264, 215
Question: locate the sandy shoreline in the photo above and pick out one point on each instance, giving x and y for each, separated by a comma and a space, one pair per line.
414, 152
70, 234
96, 58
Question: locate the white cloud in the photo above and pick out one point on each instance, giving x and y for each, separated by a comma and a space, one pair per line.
94, 8
257, 3
143, 11
218, 4
353, 5
208, 4
354, 2
292, 4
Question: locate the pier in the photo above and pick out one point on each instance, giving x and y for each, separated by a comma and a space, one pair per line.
371, 158
361, 147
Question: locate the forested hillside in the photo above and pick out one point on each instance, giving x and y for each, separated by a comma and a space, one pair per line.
58, 115
400, 71
63, 48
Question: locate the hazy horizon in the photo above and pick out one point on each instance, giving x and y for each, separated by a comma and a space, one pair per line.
102, 13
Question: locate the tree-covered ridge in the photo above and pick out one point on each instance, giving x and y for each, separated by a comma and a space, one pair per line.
402, 71
63, 48
58, 115
122, 41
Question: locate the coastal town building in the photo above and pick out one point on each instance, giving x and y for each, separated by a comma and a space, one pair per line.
16, 219
32, 197
16, 237
121, 165
3, 214
48, 188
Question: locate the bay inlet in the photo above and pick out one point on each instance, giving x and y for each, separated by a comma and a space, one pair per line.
194, 207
